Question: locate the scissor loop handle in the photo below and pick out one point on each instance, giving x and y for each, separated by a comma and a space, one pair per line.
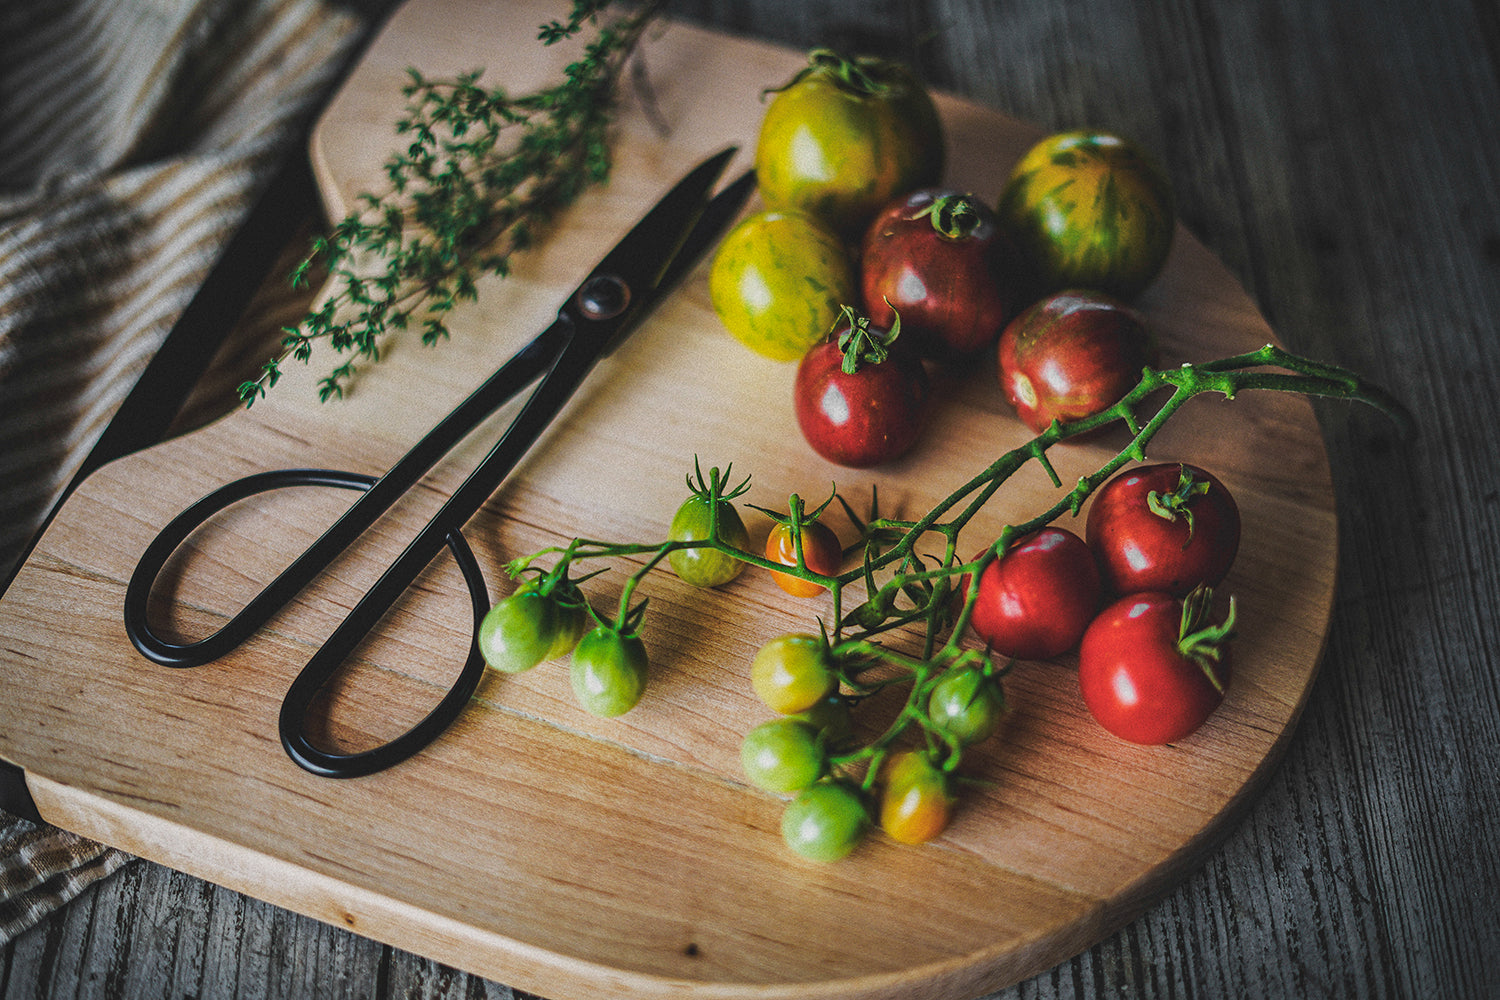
298, 702
260, 608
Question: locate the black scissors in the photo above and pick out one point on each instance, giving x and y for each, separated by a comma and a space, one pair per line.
610, 302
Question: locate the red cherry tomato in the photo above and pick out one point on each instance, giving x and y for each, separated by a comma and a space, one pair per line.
1070, 356
1171, 527
939, 259
821, 552
860, 400
1035, 601
1151, 673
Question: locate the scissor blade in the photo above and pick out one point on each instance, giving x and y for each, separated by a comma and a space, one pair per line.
643, 256
721, 211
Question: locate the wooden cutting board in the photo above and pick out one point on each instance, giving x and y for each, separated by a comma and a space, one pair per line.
578, 857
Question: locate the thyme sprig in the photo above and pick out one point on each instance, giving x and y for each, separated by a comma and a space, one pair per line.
482, 172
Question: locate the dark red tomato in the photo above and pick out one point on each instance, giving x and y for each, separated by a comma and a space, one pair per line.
1171, 527
939, 258
1035, 601
1070, 356
1151, 674
860, 399
821, 553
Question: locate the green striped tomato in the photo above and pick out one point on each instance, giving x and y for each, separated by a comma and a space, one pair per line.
845, 136
1090, 210
779, 281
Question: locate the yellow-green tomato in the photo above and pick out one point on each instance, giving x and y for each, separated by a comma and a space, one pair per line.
706, 566
915, 802
844, 137
608, 672
792, 673
1089, 210
778, 282
825, 822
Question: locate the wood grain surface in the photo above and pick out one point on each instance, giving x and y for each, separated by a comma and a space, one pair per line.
1339, 882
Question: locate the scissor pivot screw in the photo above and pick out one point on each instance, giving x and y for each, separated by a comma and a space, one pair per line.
603, 296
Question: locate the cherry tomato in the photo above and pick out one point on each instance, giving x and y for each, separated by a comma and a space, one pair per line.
608, 672
1171, 527
782, 755
821, 553
519, 631
915, 802
706, 567
844, 137
939, 259
860, 400
825, 822
1070, 356
1090, 210
1150, 672
1035, 600
966, 704
833, 720
793, 673
778, 281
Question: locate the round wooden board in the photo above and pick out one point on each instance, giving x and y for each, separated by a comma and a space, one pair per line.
578, 857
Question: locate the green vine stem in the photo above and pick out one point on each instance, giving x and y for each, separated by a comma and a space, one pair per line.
927, 584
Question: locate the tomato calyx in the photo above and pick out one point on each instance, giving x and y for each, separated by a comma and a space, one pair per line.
953, 216
1202, 641
861, 76
1178, 502
863, 343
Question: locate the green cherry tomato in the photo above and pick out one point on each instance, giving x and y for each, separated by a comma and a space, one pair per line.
778, 281
966, 705
915, 803
832, 718
825, 822
518, 632
572, 621
1090, 210
706, 567
792, 673
782, 755
844, 137
608, 672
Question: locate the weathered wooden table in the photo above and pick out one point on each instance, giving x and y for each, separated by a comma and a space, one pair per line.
1338, 159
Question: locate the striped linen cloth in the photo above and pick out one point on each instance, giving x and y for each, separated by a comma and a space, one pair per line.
134, 136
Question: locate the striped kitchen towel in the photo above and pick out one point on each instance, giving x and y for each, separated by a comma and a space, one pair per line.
134, 136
